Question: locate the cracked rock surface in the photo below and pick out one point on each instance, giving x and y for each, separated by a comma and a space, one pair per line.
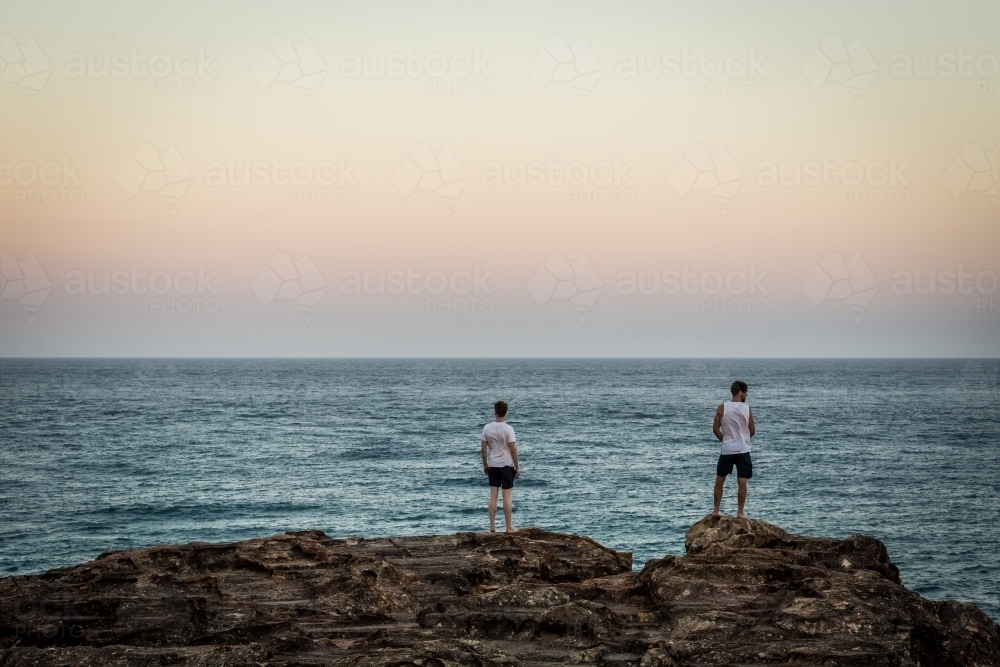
745, 593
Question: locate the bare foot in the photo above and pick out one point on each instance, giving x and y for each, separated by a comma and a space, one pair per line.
740, 516
493, 530
715, 513
512, 530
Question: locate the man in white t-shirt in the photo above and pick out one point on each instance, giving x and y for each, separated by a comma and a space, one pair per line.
500, 464
734, 426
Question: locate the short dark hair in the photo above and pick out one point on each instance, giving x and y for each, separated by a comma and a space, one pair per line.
738, 386
500, 408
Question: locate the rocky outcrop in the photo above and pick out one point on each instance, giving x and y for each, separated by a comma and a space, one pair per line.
746, 593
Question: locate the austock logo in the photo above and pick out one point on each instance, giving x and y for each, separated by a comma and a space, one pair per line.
833, 279
23, 64
558, 279
978, 386
285, 62
149, 170
974, 170
834, 62
558, 61
701, 170
427, 170
24, 282
284, 279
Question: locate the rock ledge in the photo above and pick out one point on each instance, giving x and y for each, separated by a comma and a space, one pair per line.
746, 593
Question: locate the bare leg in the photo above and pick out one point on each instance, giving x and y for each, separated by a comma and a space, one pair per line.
741, 495
508, 508
717, 496
494, 491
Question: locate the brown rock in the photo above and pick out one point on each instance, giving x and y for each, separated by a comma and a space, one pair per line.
746, 593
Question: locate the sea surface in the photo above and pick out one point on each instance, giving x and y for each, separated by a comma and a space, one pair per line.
98, 455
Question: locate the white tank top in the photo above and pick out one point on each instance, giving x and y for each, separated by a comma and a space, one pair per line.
735, 428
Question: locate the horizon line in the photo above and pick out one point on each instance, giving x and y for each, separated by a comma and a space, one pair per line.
487, 358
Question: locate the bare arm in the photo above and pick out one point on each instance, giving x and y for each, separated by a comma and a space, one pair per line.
513, 455
482, 451
717, 424
753, 428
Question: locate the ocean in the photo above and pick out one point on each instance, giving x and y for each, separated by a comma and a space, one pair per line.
99, 455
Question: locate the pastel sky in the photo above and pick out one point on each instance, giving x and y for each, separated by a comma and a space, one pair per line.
507, 179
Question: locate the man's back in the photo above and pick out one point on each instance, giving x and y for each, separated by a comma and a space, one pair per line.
498, 435
735, 427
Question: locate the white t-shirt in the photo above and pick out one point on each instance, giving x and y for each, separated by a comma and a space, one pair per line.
735, 428
498, 436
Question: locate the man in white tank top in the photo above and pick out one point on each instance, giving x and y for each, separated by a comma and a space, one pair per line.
734, 426
500, 464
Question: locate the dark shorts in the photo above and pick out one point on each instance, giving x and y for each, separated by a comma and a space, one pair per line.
744, 466
502, 477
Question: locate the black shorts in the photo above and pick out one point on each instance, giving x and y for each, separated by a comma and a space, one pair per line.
502, 477
744, 466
